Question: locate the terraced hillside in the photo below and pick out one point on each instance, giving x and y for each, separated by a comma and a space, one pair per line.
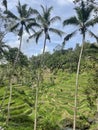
55, 104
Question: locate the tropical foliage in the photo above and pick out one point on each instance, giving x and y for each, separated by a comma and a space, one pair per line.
39, 92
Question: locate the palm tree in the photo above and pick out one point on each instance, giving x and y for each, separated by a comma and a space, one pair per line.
83, 21
45, 21
21, 23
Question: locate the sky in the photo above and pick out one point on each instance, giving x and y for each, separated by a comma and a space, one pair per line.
62, 8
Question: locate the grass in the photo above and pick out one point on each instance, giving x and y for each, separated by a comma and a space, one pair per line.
55, 102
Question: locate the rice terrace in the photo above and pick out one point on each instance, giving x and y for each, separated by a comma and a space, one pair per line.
49, 65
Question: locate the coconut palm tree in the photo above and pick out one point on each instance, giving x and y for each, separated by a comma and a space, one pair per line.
21, 23
45, 21
83, 21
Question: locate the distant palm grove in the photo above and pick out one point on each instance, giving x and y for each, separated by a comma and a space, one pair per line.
49, 91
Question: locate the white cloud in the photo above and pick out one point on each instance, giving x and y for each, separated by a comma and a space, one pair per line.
46, 49
12, 3
13, 43
64, 2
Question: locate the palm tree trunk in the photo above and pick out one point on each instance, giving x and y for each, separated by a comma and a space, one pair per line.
16, 59
11, 81
36, 103
97, 104
44, 45
42, 60
10, 97
3, 99
96, 118
77, 81
37, 87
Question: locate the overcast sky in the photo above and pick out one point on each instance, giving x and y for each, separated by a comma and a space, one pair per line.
62, 8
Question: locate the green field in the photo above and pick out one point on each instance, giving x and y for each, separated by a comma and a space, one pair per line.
55, 104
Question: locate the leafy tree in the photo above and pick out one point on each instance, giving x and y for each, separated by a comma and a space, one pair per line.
87, 1
82, 21
91, 90
11, 54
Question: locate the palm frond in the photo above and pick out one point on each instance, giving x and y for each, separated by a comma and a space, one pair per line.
49, 9
11, 15
56, 31
19, 8
92, 22
26, 28
14, 27
54, 19
24, 10
33, 24
69, 36
43, 9
29, 12
88, 12
36, 35
79, 13
5, 4
84, 11
30, 20
73, 20
41, 20
93, 35
46, 13
24, 6
33, 30
34, 11
48, 37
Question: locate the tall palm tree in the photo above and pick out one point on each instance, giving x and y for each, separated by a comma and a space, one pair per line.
21, 23
83, 21
45, 21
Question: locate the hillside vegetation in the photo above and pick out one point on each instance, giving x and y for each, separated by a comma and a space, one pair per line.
55, 96
56, 90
